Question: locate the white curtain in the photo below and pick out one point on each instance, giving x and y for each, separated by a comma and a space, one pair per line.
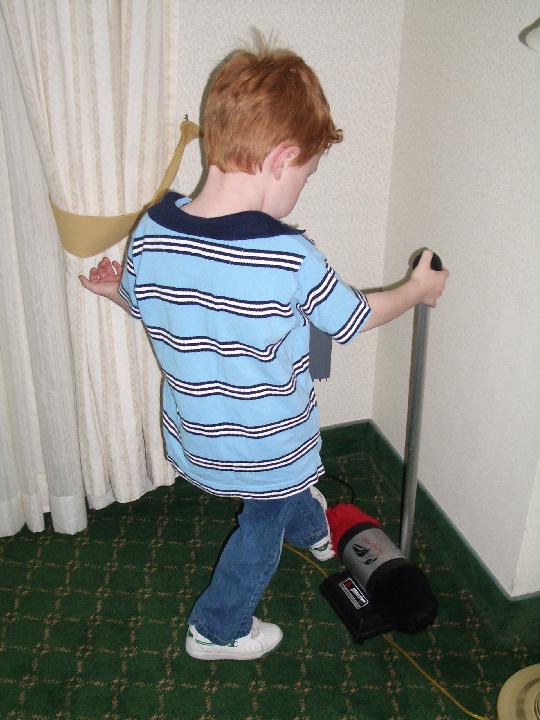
40, 468
96, 79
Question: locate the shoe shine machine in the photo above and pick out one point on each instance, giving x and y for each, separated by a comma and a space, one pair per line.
381, 590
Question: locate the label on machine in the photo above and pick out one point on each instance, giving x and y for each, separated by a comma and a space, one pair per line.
367, 551
353, 592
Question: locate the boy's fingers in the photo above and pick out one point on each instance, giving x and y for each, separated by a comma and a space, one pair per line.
426, 258
85, 282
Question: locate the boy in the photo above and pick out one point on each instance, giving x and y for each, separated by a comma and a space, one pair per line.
227, 292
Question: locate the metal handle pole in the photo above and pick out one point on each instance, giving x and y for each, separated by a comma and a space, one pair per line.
414, 423
414, 416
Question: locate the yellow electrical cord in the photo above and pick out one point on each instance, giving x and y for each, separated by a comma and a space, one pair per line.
398, 648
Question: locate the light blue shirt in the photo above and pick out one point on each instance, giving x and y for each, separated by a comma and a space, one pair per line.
227, 303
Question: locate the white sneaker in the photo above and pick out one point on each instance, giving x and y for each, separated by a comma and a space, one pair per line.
263, 638
322, 550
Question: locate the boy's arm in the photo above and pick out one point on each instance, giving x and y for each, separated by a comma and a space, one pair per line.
105, 280
424, 287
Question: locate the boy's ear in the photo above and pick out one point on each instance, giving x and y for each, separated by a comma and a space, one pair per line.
281, 157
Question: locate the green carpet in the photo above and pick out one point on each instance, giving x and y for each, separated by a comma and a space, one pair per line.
93, 626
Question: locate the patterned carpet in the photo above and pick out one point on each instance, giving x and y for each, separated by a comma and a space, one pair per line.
93, 626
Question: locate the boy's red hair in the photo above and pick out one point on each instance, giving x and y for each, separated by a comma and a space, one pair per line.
257, 100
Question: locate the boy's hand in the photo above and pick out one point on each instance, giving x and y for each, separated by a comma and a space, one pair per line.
104, 279
429, 283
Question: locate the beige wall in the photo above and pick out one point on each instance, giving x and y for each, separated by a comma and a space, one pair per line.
465, 180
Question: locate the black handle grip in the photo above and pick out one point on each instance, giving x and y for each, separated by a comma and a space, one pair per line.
436, 262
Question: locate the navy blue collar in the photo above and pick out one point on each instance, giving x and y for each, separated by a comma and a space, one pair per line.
238, 226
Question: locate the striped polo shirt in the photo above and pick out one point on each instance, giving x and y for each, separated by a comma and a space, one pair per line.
227, 303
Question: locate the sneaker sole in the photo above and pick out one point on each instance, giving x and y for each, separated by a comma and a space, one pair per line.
223, 654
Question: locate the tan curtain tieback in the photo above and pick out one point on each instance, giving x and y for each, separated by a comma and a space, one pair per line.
89, 235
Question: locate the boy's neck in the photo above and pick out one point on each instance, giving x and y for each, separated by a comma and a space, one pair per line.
225, 193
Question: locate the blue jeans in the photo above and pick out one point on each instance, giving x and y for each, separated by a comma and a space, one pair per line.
224, 611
